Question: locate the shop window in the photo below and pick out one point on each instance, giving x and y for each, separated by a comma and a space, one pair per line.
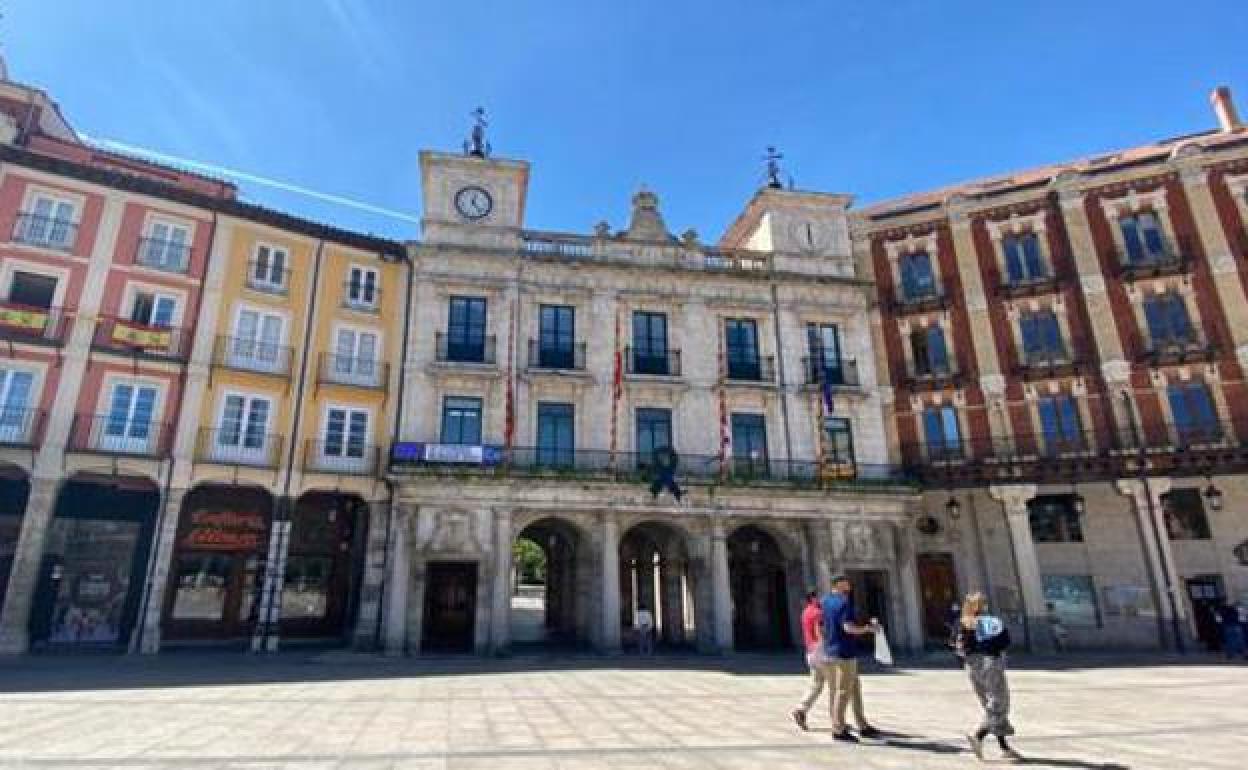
1071, 600
1054, 519
461, 421
1184, 512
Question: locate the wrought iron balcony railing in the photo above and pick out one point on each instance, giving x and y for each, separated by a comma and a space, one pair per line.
253, 355
557, 357
1173, 256
239, 445
819, 369
1047, 363
918, 300
21, 427
1033, 285
161, 254
45, 232
25, 323
933, 378
125, 336
1178, 348
119, 434
654, 363
265, 277
344, 458
746, 368
361, 297
362, 372
466, 349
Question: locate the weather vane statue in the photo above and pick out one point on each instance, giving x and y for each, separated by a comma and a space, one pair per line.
773, 158
476, 146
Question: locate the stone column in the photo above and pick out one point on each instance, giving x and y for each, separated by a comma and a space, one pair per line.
911, 598
1145, 496
24, 574
154, 602
721, 588
1013, 498
500, 605
610, 583
396, 590
673, 602
820, 553
367, 635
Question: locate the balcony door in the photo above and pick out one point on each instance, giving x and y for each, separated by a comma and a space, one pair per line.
556, 435
257, 341
741, 347
1142, 234
749, 444
243, 432
346, 439
465, 330
654, 431
15, 415
50, 223
355, 355
824, 341
557, 337
650, 343
128, 424
165, 246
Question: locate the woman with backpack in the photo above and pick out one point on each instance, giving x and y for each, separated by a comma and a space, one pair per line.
981, 643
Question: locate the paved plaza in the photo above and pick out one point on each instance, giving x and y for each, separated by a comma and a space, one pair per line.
306, 710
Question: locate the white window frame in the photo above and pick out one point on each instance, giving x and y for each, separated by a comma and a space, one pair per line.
134, 288
22, 434
352, 375
103, 411
342, 462
10, 267
76, 202
238, 452
278, 287
149, 226
361, 304
251, 362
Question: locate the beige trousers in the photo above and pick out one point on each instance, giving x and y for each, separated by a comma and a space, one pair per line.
846, 690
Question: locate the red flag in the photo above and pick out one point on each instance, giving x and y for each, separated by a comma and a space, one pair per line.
509, 427
725, 432
617, 381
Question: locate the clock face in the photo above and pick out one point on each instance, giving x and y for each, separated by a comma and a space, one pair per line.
473, 202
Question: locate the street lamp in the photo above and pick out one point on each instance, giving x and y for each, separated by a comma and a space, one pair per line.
1213, 496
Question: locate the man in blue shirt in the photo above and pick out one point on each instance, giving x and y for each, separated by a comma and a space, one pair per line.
840, 634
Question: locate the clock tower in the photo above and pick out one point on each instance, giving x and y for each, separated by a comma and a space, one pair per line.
473, 199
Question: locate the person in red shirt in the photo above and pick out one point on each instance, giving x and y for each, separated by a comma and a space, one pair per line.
816, 659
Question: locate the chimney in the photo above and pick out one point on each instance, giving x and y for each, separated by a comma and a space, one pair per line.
1224, 108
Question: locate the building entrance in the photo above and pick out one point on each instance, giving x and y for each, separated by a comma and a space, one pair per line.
1206, 594
450, 607
550, 571
654, 574
939, 584
760, 596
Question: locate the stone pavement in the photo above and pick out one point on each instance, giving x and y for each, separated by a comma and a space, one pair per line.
303, 710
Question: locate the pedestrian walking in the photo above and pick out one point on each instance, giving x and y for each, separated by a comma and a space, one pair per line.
840, 643
645, 631
816, 658
982, 644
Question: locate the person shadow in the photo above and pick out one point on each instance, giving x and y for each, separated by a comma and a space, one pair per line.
1079, 764
905, 741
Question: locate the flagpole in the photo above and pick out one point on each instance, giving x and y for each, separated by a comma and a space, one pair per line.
509, 427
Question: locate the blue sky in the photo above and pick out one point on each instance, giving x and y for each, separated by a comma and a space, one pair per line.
872, 98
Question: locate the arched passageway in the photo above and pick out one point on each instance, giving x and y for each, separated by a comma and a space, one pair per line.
552, 577
655, 573
760, 591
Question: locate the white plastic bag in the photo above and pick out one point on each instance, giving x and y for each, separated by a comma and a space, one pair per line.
883, 654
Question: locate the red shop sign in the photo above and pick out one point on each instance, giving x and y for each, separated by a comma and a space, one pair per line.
225, 531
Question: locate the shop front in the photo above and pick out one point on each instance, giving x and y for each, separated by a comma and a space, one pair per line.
14, 491
91, 576
218, 564
326, 535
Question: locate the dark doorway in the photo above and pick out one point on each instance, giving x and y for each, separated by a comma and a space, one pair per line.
1206, 593
91, 577
326, 535
14, 491
939, 584
870, 594
214, 581
450, 607
760, 606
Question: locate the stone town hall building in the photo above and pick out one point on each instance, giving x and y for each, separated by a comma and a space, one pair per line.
226, 425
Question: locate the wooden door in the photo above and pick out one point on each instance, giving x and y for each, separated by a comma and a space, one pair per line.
939, 584
450, 607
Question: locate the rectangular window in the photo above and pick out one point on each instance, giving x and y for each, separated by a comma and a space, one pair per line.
1053, 519
1042, 336
151, 309
1059, 422
741, 349
257, 341
346, 433
32, 289
165, 246
749, 444
1193, 410
1184, 512
654, 431
461, 420
650, 343
1167, 319
269, 269
362, 288
128, 425
839, 440
49, 222
556, 337
556, 435
465, 330
1073, 600
931, 355
15, 417
940, 427
1023, 259
824, 342
917, 279
1143, 237
355, 354
244, 425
